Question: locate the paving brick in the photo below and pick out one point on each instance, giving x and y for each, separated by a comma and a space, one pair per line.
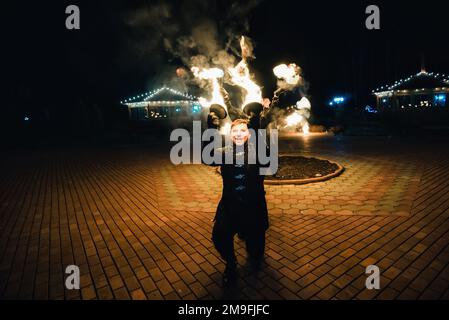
138, 295
88, 293
164, 287
121, 294
148, 284
328, 292
309, 291
140, 231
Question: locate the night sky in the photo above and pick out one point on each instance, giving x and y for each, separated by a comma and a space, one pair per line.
120, 49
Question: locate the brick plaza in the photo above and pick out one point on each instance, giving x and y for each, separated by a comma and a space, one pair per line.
139, 227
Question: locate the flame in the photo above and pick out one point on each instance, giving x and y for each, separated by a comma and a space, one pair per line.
300, 116
241, 77
305, 129
304, 103
246, 49
288, 73
225, 128
294, 119
212, 74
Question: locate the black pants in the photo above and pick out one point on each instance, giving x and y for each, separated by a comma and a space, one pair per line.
223, 234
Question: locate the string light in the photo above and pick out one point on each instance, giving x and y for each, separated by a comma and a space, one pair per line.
397, 83
150, 94
161, 103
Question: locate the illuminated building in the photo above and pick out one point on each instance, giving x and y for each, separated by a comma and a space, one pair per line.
163, 104
423, 90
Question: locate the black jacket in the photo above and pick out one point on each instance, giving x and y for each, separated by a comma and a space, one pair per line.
251, 214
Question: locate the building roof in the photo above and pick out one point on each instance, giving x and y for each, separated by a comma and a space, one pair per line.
422, 80
163, 94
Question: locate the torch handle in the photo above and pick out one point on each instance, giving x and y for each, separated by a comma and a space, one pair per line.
275, 99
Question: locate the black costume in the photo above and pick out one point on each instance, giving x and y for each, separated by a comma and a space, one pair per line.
242, 209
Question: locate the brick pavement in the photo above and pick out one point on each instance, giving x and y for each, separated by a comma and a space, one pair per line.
368, 187
139, 228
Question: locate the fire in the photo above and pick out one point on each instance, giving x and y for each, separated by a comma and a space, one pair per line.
290, 73
212, 74
300, 116
241, 77
246, 49
305, 128
293, 119
225, 128
303, 104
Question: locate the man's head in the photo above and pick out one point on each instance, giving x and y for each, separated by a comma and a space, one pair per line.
239, 131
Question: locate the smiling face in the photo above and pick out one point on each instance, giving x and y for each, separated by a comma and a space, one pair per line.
240, 133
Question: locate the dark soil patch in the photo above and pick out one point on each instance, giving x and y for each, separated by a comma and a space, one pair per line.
297, 167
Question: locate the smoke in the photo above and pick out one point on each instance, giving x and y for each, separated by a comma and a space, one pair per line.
167, 35
174, 37
289, 76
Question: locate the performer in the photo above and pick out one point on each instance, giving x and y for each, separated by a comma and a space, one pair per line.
242, 209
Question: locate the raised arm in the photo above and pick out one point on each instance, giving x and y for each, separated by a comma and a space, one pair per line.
234, 113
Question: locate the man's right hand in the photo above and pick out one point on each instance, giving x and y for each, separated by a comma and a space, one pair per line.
213, 120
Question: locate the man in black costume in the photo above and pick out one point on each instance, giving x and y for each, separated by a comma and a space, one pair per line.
242, 209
